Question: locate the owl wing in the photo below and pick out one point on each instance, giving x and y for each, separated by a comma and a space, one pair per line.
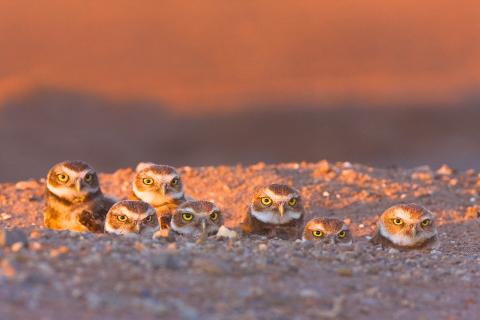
90, 221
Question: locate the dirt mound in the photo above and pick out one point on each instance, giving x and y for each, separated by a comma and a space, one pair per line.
72, 275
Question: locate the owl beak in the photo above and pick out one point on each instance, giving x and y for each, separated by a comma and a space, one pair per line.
413, 232
163, 189
204, 226
78, 185
280, 209
138, 227
332, 239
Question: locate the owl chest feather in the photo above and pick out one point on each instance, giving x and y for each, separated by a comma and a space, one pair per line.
290, 230
425, 244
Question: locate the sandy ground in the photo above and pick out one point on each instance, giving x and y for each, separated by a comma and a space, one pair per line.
87, 276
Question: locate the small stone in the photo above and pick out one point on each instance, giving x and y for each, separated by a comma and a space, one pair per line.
345, 272
373, 292
212, 266
17, 246
308, 244
35, 246
393, 251
140, 246
444, 170
262, 247
227, 233
35, 235
9, 237
309, 293
22, 185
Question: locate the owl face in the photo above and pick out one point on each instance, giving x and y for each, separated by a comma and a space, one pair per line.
276, 204
328, 231
72, 180
196, 217
407, 224
157, 184
132, 217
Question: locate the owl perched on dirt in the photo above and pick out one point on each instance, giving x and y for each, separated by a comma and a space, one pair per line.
160, 186
328, 231
132, 217
407, 227
197, 217
276, 210
73, 198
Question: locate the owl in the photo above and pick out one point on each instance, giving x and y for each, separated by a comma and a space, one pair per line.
328, 230
276, 210
160, 186
197, 217
132, 217
73, 198
407, 227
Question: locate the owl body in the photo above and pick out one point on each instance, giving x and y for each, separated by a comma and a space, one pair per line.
132, 217
329, 231
161, 187
197, 217
73, 198
276, 210
407, 227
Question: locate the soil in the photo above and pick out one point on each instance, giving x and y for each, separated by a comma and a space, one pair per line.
63, 274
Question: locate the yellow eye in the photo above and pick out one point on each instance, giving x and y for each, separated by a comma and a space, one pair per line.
342, 234
148, 181
292, 202
148, 219
425, 222
397, 221
317, 233
88, 177
122, 218
214, 216
266, 201
187, 216
62, 177
174, 181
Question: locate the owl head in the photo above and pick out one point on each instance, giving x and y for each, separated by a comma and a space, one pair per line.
197, 217
72, 180
132, 217
276, 204
407, 224
158, 184
328, 231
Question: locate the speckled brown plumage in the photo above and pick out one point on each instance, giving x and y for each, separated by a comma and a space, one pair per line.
328, 230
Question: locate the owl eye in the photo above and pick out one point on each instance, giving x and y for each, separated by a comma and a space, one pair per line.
342, 234
266, 201
148, 181
425, 222
187, 216
122, 218
292, 202
397, 221
317, 233
148, 219
88, 177
62, 177
214, 216
174, 181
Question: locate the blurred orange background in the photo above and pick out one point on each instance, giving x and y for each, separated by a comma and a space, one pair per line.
220, 64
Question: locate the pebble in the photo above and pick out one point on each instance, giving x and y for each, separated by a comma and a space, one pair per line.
393, 251
35, 235
212, 266
345, 272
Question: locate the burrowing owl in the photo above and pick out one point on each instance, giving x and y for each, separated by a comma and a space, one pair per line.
328, 230
160, 186
73, 198
132, 217
276, 210
196, 217
407, 227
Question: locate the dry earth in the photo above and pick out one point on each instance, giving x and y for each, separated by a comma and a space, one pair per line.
87, 276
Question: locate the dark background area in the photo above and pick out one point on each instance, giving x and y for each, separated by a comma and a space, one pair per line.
49, 127
212, 82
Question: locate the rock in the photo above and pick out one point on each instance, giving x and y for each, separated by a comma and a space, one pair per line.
309, 293
225, 232
393, 251
35, 235
345, 272
9, 237
262, 247
212, 266
140, 246
472, 213
308, 244
17, 246
30, 184
444, 170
